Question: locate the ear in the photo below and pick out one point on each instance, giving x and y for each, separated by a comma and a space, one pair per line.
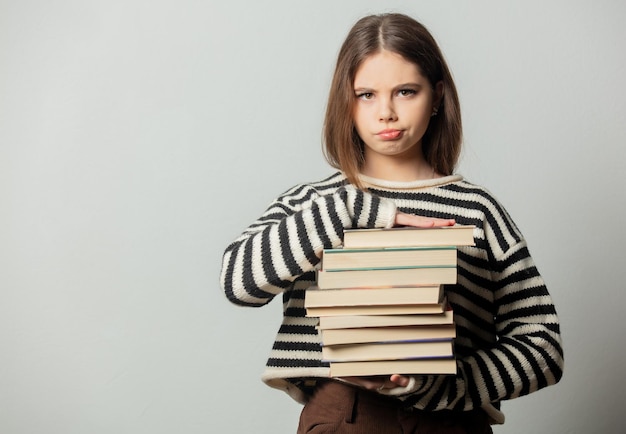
438, 94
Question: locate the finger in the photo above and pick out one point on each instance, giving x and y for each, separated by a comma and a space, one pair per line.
403, 219
400, 380
369, 383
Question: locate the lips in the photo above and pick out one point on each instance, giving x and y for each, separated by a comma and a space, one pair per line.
390, 134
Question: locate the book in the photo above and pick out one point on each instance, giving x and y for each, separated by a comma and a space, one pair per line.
368, 321
445, 366
380, 301
386, 277
427, 294
387, 334
457, 235
356, 259
405, 309
387, 351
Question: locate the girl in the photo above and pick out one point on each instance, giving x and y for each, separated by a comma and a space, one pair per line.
393, 130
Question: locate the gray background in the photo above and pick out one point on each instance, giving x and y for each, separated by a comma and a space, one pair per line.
138, 138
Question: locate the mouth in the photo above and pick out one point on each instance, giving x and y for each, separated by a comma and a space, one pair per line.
390, 134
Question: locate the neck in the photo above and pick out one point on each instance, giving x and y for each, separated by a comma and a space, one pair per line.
397, 168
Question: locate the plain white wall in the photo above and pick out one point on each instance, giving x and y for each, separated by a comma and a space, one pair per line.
138, 138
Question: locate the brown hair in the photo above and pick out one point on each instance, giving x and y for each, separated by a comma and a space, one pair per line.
398, 33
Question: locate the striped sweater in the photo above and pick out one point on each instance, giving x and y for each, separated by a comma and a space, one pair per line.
508, 340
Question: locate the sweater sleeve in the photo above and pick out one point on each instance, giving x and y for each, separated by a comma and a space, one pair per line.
527, 354
288, 239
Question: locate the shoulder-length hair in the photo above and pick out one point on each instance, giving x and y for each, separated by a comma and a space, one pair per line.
398, 33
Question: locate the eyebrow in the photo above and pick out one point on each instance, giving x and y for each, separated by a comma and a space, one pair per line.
399, 86
410, 84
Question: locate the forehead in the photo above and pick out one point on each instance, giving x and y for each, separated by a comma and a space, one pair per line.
387, 68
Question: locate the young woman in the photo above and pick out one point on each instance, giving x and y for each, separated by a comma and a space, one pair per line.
393, 129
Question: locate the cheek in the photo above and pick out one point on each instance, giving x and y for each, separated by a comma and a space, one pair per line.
358, 118
422, 114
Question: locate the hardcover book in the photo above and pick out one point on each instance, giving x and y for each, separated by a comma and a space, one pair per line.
387, 334
367, 321
457, 235
388, 351
358, 259
427, 294
404, 309
446, 366
386, 277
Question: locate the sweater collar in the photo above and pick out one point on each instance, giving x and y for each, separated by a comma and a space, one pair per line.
409, 185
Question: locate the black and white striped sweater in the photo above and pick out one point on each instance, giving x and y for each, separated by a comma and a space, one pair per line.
508, 338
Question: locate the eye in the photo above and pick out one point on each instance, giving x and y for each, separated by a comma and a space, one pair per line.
407, 92
365, 95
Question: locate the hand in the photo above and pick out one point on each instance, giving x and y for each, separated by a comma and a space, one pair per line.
403, 219
379, 383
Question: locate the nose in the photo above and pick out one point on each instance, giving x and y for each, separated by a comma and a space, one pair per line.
386, 111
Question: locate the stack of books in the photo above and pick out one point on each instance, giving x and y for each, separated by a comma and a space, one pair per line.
380, 301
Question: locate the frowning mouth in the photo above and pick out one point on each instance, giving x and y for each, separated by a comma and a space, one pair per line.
390, 134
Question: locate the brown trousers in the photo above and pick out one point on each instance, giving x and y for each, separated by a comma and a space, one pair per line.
340, 408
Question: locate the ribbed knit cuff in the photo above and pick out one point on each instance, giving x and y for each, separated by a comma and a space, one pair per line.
387, 214
366, 210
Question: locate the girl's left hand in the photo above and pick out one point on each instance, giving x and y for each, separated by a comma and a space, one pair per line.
379, 383
404, 219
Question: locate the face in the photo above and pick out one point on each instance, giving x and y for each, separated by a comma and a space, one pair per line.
394, 103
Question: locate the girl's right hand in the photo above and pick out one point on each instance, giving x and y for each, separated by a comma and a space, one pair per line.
403, 219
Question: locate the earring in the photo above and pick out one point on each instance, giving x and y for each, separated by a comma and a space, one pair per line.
435, 111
